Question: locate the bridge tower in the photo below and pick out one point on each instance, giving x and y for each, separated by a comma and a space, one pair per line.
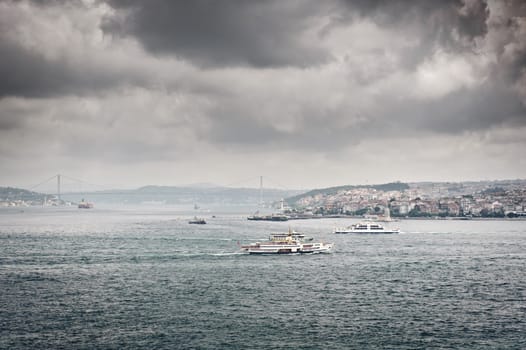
58, 187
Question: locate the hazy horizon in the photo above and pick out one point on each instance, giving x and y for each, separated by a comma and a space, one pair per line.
50, 186
310, 94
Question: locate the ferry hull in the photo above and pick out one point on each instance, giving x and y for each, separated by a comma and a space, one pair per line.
315, 248
343, 232
366, 228
280, 252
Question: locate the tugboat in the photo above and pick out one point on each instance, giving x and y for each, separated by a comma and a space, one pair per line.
197, 221
287, 245
271, 217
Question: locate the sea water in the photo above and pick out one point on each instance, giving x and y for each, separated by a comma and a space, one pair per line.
143, 278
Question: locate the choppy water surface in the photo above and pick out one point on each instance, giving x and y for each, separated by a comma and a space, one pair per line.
147, 279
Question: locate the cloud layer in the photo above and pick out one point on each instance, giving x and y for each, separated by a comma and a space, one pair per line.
321, 93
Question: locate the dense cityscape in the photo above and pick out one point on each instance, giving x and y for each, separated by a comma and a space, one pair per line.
463, 199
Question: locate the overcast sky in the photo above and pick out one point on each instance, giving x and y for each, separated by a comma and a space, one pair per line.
307, 93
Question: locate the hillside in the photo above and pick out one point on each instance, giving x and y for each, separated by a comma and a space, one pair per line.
420, 199
12, 195
217, 195
201, 196
326, 192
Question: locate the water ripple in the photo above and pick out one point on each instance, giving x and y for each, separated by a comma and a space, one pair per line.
154, 282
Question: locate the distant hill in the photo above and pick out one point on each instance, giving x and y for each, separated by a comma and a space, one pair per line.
200, 195
392, 186
204, 195
12, 194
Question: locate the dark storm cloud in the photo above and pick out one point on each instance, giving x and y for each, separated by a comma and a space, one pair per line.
225, 33
448, 25
255, 34
459, 26
32, 64
463, 111
30, 74
508, 41
468, 17
466, 110
186, 86
271, 33
237, 32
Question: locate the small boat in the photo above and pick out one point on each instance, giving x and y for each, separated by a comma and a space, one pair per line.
197, 221
287, 244
85, 205
366, 227
271, 217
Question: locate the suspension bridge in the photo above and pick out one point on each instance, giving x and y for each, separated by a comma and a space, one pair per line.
70, 189
65, 185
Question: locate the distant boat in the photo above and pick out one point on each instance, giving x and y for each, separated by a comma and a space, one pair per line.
365, 227
271, 217
198, 221
85, 205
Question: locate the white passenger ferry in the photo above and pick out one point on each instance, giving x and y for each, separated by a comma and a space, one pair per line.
366, 227
287, 244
